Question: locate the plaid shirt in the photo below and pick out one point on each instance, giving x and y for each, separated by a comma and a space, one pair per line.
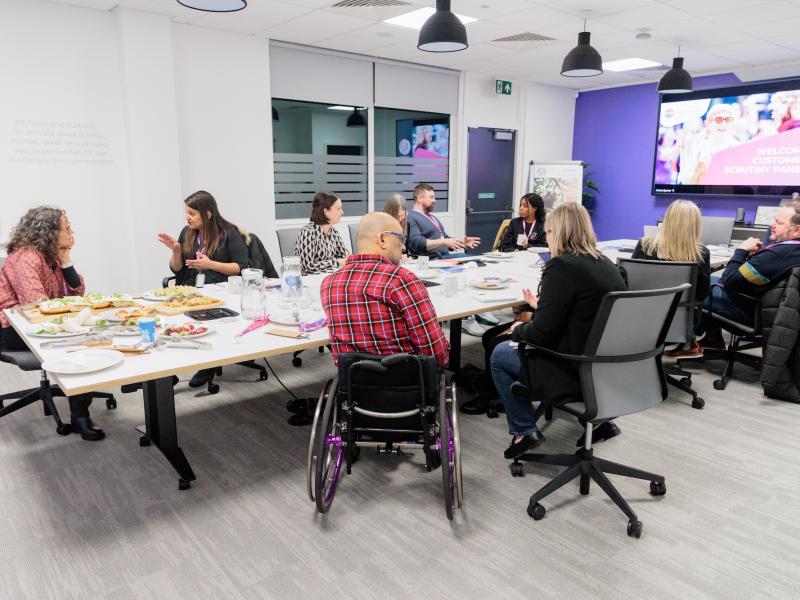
377, 307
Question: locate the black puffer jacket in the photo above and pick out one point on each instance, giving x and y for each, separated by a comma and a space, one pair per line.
780, 318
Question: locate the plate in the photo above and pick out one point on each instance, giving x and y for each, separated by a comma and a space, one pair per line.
208, 329
442, 264
152, 297
491, 283
57, 335
86, 361
110, 315
539, 249
285, 317
124, 330
429, 275
500, 255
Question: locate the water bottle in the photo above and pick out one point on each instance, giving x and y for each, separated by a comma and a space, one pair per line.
252, 293
291, 282
200, 280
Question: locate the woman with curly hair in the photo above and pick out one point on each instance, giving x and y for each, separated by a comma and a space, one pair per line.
39, 266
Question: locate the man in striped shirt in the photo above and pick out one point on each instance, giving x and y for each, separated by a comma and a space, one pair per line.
374, 305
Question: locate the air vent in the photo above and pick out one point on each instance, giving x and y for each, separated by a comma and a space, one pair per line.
525, 37
369, 3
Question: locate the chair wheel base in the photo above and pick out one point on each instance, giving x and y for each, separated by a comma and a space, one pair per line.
635, 529
698, 403
297, 361
184, 484
111, 403
262, 376
213, 388
536, 511
720, 384
63, 429
658, 488
517, 469
686, 381
144, 441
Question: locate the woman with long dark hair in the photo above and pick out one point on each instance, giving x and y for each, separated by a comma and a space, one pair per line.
39, 266
319, 245
208, 244
528, 228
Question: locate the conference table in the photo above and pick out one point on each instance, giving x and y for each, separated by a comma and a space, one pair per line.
155, 369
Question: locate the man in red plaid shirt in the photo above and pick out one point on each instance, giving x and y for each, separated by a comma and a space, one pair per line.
373, 305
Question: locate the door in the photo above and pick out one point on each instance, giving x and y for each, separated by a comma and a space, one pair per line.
490, 182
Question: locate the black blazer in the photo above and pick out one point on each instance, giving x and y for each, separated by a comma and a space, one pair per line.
509, 241
231, 250
572, 287
703, 273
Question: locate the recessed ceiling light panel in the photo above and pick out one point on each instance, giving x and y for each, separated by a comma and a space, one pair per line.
629, 64
416, 18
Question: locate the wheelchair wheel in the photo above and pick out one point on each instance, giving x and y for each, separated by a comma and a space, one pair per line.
315, 433
446, 452
329, 456
456, 445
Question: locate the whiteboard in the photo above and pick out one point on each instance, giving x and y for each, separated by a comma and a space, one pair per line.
556, 181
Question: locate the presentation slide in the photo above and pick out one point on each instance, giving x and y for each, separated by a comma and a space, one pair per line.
422, 140
750, 140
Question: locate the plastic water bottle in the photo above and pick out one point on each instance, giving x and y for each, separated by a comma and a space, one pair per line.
291, 282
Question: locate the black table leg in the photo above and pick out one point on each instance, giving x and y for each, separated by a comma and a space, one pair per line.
161, 427
455, 345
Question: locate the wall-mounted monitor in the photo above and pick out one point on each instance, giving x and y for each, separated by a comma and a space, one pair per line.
742, 140
423, 138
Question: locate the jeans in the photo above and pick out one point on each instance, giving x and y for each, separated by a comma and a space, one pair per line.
505, 371
726, 307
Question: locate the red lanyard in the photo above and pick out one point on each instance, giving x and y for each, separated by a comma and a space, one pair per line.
432, 220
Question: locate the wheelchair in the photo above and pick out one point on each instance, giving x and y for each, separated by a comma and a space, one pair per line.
390, 403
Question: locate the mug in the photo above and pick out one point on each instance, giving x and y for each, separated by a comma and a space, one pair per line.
423, 262
450, 285
235, 284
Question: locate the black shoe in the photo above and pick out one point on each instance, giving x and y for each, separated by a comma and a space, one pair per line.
713, 339
476, 406
601, 433
528, 442
86, 428
202, 377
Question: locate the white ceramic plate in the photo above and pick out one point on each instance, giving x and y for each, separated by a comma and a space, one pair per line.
209, 329
438, 264
500, 255
110, 315
538, 249
429, 275
85, 361
285, 317
60, 334
152, 297
491, 283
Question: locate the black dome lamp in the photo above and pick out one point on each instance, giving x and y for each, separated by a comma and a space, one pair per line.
583, 60
214, 5
677, 80
443, 31
356, 119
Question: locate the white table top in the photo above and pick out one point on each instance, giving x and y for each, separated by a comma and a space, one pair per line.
171, 361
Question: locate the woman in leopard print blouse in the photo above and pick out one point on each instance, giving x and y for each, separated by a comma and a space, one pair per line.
319, 245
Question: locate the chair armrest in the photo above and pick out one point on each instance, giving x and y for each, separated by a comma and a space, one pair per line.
166, 280
529, 348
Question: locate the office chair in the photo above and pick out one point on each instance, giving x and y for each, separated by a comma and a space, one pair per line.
500, 233
654, 274
620, 374
353, 228
26, 361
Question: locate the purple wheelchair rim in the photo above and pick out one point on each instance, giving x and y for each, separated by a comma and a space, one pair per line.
334, 440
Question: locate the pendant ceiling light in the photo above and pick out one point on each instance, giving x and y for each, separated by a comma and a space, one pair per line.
356, 119
443, 31
677, 80
214, 5
583, 60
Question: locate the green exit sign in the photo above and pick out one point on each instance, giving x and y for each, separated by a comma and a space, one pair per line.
502, 87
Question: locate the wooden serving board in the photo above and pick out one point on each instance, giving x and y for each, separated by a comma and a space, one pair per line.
170, 311
33, 315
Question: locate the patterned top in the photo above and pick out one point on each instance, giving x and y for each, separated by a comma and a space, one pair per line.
26, 277
319, 251
376, 306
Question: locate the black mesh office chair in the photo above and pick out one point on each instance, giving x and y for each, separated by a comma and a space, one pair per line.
26, 361
654, 274
620, 374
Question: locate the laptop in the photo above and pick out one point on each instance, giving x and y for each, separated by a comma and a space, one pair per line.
717, 231
651, 230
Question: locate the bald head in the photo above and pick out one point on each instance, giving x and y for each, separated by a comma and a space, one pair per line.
373, 239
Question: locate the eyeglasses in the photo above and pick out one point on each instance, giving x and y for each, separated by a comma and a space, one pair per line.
721, 120
400, 236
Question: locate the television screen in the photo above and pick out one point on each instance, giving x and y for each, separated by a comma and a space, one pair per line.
423, 138
733, 141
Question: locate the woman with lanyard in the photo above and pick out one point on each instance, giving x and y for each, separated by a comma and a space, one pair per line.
39, 266
208, 247
527, 229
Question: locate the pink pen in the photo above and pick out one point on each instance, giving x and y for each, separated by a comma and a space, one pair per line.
253, 326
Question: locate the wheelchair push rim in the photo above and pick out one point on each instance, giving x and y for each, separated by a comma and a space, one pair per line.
315, 433
330, 452
446, 447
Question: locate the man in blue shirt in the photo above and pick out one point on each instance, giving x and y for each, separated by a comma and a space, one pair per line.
426, 234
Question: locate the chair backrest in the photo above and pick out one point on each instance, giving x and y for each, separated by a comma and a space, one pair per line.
286, 240
353, 227
717, 231
499, 237
657, 274
624, 373
651, 230
395, 387
259, 257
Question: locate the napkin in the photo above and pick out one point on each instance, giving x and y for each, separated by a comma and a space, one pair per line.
75, 323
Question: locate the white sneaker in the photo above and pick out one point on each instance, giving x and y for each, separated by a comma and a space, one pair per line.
471, 327
487, 319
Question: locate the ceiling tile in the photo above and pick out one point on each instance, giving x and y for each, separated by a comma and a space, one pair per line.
756, 52
257, 17
599, 9
713, 7
371, 38
536, 19
316, 26
646, 16
745, 18
97, 4
177, 12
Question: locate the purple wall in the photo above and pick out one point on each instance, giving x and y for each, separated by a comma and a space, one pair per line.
615, 131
